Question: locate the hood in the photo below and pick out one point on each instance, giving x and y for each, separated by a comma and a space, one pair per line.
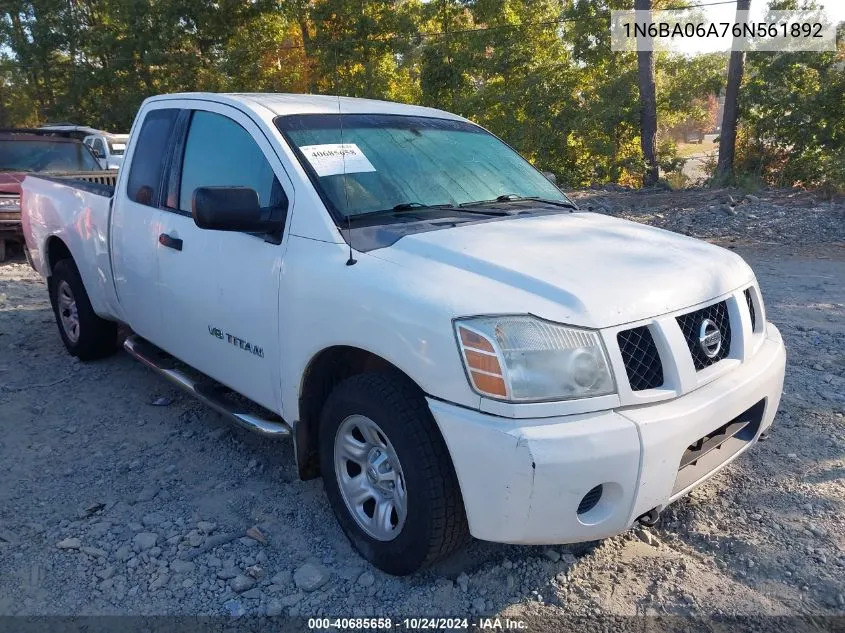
577, 268
10, 181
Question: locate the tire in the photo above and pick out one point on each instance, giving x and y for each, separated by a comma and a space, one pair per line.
434, 522
2, 250
93, 337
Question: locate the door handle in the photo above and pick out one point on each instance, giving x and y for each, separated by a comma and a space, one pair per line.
170, 242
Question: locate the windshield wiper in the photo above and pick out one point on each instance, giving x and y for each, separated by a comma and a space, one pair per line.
410, 206
406, 206
512, 197
418, 206
402, 206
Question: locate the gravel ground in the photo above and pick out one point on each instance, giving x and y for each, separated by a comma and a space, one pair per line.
789, 217
121, 495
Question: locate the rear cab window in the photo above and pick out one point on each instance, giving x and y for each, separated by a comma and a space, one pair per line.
150, 156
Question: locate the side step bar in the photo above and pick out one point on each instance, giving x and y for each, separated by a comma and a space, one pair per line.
161, 362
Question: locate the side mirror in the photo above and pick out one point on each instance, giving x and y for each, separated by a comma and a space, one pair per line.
227, 209
550, 177
230, 209
98, 153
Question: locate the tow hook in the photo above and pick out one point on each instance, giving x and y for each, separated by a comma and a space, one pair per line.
649, 518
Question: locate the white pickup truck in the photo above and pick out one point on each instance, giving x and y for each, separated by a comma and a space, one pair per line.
448, 341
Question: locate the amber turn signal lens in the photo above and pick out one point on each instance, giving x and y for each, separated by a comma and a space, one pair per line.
483, 362
484, 368
475, 341
489, 384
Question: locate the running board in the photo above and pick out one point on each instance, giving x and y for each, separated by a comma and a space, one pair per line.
210, 394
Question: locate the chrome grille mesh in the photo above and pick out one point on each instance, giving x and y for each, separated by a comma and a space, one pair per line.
751, 310
642, 362
690, 324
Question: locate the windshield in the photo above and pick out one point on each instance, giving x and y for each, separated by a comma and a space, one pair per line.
45, 156
395, 160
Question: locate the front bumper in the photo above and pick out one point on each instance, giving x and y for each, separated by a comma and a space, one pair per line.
523, 480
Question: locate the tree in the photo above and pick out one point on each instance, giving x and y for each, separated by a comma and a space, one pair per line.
648, 106
538, 73
727, 139
792, 130
360, 49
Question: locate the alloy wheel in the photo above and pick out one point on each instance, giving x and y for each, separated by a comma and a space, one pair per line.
370, 478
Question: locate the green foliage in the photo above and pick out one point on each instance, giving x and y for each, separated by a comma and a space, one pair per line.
792, 129
538, 73
676, 180
683, 87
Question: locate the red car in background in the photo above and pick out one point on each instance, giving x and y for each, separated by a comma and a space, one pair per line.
24, 151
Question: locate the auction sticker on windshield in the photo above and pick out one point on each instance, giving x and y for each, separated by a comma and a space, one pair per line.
332, 159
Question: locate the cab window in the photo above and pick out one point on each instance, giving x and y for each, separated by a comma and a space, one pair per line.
220, 153
150, 156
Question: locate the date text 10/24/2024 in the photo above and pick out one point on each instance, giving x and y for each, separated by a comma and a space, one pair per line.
418, 624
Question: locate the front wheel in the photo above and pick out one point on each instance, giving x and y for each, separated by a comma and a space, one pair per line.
84, 333
388, 474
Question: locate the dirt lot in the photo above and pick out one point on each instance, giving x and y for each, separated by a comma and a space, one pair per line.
112, 505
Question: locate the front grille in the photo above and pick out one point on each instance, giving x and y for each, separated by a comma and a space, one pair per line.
642, 362
750, 303
691, 327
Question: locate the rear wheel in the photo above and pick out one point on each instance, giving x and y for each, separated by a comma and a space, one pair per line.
388, 474
84, 333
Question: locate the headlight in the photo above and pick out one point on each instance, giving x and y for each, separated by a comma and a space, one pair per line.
523, 358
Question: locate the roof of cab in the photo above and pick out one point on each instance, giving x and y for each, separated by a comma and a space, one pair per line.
282, 104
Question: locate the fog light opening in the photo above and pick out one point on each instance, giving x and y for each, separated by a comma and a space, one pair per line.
590, 499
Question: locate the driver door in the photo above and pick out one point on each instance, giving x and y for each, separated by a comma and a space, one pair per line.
219, 290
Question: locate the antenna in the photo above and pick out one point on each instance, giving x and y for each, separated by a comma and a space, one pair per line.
351, 261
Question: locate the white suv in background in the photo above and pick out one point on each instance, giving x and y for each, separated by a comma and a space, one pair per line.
108, 148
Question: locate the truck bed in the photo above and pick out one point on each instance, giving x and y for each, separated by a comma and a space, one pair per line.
101, 183
73, 209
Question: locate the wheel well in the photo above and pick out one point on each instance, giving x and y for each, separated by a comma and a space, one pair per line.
56, 250
324, 372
